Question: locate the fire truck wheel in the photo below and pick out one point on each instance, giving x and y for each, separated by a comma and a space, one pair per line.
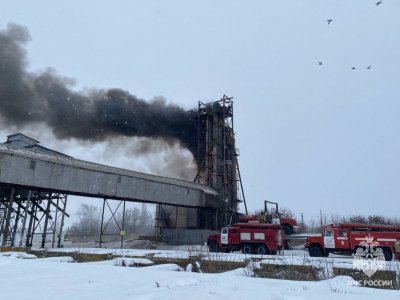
261, 249
315, 251
247, 249
213, 247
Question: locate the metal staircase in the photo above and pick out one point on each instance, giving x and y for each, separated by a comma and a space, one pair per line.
5, 232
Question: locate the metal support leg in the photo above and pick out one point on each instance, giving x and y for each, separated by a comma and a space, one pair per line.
157, 229
176, 225
46, 222
30, 226
102, 221
15, 228
31, 230
122, 232
62, 222
55, 222
28, 202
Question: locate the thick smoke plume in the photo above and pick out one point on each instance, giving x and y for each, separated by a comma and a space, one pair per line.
28, 98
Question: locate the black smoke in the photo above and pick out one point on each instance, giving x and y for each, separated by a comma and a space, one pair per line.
28, 98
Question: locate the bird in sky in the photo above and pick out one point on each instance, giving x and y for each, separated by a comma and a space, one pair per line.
378, 3
353, 68
329, 21
320, 63
369, 67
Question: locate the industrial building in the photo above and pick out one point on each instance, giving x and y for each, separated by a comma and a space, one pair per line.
35, 183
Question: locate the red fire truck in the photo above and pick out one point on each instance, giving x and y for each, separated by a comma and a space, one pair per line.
251, 237
347, 238
260, 234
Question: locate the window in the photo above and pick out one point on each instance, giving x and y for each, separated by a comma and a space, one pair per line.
224, 231
343, 233
32, 165
234, 230
328, 233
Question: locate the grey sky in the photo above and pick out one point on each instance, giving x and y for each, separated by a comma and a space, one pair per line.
310, 136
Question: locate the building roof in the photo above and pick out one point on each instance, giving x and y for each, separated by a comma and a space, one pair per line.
21, 140
73, 162
40, 148
21, 134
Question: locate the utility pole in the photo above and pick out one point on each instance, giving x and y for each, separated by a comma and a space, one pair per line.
320, 216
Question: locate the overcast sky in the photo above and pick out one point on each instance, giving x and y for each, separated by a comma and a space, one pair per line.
310, 136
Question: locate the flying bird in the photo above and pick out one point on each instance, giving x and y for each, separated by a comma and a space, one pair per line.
329, 21
320, 63
369, 67
353, 68
378, 3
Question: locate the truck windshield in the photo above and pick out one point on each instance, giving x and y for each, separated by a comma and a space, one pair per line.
224, 230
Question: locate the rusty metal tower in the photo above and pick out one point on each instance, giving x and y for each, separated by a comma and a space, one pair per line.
217, 156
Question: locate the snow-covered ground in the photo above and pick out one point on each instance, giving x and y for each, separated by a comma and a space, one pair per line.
24, 277
288, 257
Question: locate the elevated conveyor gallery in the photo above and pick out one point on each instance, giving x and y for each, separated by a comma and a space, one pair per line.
27, 169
